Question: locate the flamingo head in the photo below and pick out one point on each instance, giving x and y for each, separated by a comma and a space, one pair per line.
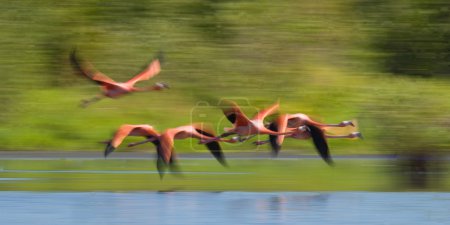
162, 85
302, 128
234, 139
356, 135
346, 123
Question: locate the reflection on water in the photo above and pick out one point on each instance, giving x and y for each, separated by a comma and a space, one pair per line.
224, 208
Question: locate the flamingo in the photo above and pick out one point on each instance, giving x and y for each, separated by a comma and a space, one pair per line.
165, 143
144, 130
301, 126
199, 131
111, 88
244, 127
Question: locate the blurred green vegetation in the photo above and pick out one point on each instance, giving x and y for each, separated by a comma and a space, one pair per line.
411, 35
334, 60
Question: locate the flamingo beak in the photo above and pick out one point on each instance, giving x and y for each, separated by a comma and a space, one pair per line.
162, 85
348, 123
359, 135
165, 85
234, 139
303, 128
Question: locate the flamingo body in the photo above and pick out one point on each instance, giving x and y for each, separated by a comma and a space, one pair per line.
243, 126
301, 126
198, 131
125, 130
111, 88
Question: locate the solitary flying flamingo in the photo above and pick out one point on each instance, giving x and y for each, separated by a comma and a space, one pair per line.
244, 127
111, 88
303, 127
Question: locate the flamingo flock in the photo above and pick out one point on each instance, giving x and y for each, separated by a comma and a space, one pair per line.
296, 126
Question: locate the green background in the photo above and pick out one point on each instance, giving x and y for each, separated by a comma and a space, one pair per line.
382, 63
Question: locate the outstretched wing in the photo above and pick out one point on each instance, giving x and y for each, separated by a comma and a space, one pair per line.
320, 143
234, 114
167, 143
214, 147
87, 70
281, 126
127, 129
273, 139
152, 70
267, 111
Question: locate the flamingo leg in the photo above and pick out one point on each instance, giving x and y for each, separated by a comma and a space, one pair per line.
86, 102
344, 123
142, 142
225, 134
242, 139
261, 142
351, 135
218, 138
155, 87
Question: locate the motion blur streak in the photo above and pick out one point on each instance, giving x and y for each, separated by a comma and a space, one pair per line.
384, 63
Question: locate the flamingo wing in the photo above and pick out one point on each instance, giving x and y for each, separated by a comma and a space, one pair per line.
167, 144
162, 144
161, 164
235, 115
87, 70
214, 146
281, 127
267, 111
126, 130
152, 70
294, 121
320, 143
273, 139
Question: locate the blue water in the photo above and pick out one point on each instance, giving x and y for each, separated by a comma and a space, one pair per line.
96, 208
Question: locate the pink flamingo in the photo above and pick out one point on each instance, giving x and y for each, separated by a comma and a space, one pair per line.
143, 130
111, 88
301, 126
244, 127
165, 142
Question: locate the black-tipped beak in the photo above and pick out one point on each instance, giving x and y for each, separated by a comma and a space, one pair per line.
162, 85
109, 148
351, 123
360, 136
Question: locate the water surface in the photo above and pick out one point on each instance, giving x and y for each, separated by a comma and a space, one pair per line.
224, 208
